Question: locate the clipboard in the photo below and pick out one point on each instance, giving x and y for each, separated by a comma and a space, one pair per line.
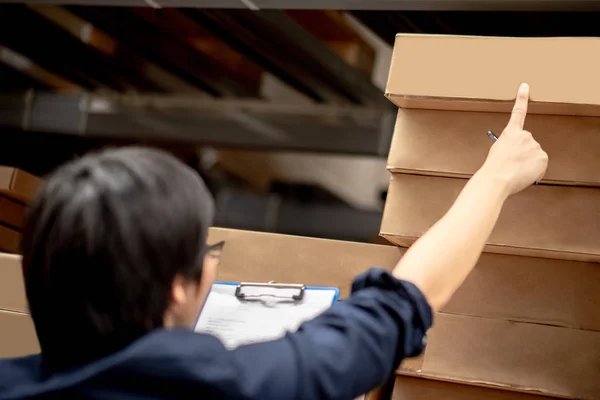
239, 313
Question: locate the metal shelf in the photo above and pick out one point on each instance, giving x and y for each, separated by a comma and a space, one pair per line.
432, 5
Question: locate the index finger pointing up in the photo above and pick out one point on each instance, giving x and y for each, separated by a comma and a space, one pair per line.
519, 112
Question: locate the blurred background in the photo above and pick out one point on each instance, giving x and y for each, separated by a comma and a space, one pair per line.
278, 104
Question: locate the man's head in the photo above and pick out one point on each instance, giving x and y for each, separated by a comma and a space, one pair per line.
115, 246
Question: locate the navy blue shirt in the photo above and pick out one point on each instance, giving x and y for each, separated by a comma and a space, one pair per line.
347, 351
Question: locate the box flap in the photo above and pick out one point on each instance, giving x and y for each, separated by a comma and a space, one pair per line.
446, 143
473, 73
547, 221
513, 355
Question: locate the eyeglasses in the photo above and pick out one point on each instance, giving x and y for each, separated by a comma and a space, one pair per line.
214, 250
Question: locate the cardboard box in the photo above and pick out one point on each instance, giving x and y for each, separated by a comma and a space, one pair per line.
529, 289
18, 184
10, 240
455, 144
541, 221
470, 73
262, 257
17, 335
531, 358
12, 288
409, 388
501, 286
247, 256
12, 213
508, 288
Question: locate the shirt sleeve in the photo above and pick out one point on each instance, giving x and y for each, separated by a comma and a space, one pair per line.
347, 351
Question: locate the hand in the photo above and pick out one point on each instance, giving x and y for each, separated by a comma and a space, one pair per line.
516, 159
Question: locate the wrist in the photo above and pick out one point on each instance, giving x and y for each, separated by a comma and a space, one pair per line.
492, 183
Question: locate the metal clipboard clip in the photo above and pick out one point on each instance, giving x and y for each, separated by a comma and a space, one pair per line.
253, 291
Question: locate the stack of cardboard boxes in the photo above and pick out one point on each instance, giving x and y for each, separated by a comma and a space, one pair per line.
16, 190
526, 322
528, 318
17, 336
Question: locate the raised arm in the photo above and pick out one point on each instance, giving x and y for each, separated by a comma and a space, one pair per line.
439, 262
354, 346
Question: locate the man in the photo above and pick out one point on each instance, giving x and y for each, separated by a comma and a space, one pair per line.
116, 269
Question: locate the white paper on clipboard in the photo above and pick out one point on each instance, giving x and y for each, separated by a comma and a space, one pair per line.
236, 322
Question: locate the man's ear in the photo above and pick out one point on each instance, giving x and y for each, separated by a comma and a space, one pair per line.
178, 290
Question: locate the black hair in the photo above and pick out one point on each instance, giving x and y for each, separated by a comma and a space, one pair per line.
105, 238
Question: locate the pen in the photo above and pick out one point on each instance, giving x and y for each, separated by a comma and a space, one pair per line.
494, 138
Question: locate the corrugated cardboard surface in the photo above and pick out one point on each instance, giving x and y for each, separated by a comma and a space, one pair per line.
18, 184
263, 257
12, 289
409, 388
521, 356
510, 285
505, 287
545, 221
10, 240
446, 143
553, 292
501, 286
12, 213
17, 335
483, 73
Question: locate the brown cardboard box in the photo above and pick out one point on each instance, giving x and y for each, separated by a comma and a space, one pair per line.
17, 335
518, 356
262, 257
247, 256
545, 291
10, 240
410, 388
470, 73
455, 144
12, 213
501, 286
18, 184
12, 289
511, 286
543, 221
